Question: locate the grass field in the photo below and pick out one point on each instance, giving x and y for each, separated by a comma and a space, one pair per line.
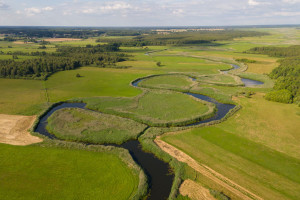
34, 172
155, 107
220, 79
26, 97
87, 126
168, 82
258, 147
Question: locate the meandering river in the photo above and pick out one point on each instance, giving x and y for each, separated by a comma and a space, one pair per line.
160, 180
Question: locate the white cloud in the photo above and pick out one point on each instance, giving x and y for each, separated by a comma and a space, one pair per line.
34, 10
178, 12
287, 14
116, 6
48, 8
256, 3
291, 1
106, 8
253, 3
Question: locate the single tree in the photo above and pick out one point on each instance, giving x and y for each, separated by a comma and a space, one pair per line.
158, 64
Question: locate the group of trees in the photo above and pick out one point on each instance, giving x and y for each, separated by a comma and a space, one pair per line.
277, 51
182, 38
66, 58
286, 75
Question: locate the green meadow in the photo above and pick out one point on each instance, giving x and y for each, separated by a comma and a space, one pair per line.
34, 172
87, 126
155, 107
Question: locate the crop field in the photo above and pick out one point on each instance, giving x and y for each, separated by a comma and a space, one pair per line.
34, 172
88, 126
255, 140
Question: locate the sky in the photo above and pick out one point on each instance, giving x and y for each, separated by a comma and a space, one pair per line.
148, 12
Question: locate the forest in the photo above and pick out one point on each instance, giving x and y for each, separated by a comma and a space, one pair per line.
183, 38
286, 75
65, 58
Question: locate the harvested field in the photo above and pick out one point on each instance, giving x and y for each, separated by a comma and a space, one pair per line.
195, 191
14, 130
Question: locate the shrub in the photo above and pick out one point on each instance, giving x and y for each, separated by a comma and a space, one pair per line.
283, 96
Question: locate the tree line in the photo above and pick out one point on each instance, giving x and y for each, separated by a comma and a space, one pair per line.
183, 38
286, 75
65, 58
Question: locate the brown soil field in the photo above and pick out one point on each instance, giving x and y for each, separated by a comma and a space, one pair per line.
14, 130
195, 191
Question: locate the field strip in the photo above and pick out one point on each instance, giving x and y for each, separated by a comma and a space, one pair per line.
195, 191
14, 130
206, 171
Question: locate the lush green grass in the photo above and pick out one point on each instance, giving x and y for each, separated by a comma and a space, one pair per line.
220, 79
180, 82
34, 172
268, 173
93, 82
92, 127
257, 148
169, 106
19, 96
157, 107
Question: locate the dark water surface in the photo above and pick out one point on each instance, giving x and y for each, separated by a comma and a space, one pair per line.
223, 109
246, 81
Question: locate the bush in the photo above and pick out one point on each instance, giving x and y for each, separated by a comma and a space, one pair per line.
283, 96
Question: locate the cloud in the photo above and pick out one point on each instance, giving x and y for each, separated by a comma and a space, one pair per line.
178, 12
106, 8
3, 5
48, 8
253, 3
256, 3
291, 1
287, 14
34, 10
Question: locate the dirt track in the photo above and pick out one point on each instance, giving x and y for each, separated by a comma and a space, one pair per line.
233, 187
14, 130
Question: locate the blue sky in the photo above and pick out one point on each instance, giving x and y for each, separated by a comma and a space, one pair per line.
148, 12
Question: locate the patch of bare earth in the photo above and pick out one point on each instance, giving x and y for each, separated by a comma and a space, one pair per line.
221, 180
195, 191
14, 130
61, 39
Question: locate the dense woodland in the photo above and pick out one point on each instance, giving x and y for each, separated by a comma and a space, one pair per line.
287, 74
65, 58
182, 38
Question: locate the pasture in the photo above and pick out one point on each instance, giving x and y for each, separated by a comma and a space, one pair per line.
34, 172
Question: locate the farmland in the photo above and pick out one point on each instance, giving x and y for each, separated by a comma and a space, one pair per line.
256, 148
53, 173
